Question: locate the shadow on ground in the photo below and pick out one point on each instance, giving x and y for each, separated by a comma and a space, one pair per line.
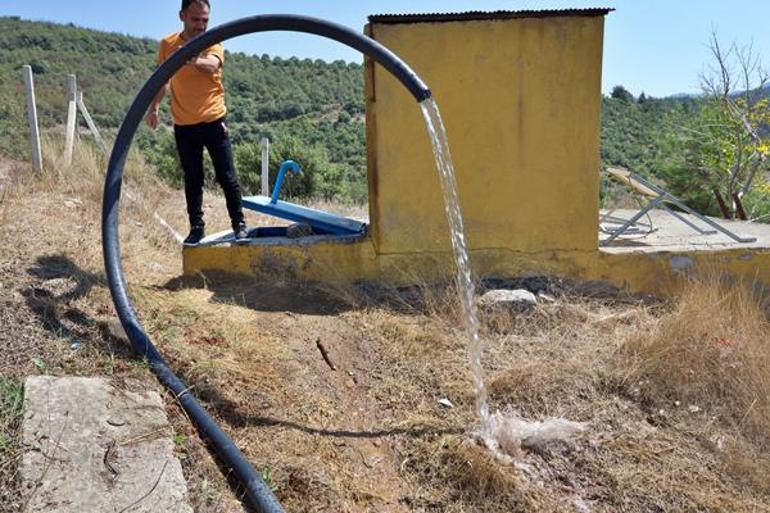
266, 295
59, 283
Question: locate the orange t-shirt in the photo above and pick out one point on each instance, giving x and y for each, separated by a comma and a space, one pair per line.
196, 97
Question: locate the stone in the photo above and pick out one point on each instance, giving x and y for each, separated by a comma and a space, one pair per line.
297, 230
91, 446
515, 301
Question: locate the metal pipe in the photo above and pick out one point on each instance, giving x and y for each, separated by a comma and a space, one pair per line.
287, 165
257, 492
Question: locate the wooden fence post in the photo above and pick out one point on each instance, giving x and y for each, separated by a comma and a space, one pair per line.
265, 166
34, 130
72, 112
91, 124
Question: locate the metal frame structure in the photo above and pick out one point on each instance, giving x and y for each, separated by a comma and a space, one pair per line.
659, 197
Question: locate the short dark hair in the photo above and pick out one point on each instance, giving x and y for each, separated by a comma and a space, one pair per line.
186, 3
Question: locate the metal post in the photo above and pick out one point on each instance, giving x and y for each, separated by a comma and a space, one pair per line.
265, 166
72, 112
91, 124
34, 131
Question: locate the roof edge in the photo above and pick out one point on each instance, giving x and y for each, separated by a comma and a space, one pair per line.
485, 15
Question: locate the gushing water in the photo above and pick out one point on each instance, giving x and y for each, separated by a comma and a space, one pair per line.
459, 248
503, 435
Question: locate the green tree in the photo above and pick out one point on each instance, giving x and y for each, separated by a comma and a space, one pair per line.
317, 171
621, 93
723, 149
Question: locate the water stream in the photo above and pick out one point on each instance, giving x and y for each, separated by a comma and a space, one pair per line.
465, 285
504, 435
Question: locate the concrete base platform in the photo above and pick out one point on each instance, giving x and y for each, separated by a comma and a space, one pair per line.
668, 233
654, 262
93, 447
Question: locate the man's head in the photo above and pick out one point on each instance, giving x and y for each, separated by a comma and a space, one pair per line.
195, 16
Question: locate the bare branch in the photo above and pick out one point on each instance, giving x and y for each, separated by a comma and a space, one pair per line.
750, 178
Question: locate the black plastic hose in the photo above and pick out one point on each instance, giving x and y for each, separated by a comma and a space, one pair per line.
257, 492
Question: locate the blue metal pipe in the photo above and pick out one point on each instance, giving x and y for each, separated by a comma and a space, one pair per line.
287, 165
256, 491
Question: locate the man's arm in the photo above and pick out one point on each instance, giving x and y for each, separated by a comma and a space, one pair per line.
152, 118
208, 63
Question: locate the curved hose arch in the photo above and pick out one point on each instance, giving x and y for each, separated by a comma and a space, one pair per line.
256, 490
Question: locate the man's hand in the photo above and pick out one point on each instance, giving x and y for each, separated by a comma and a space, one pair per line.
152, 119
205, 63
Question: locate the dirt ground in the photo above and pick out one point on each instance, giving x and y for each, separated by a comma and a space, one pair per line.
362, 429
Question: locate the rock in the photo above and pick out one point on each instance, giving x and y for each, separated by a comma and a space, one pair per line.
515, 301
297, 230
91, 442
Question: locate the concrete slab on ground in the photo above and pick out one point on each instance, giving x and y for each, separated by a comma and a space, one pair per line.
98, 447
667, 233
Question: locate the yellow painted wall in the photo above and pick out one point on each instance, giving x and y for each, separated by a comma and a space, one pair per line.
520, 100
325, 261
658, 273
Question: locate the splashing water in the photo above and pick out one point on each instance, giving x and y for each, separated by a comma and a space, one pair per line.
503, 435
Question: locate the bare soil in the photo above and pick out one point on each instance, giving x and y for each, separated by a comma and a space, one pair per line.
332, 393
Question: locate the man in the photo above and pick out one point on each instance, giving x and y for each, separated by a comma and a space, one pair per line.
198, 110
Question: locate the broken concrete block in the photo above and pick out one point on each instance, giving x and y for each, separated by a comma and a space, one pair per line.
92, 446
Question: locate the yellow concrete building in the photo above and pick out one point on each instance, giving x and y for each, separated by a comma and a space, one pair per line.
520, 95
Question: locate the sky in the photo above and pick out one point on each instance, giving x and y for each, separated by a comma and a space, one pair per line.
658, 47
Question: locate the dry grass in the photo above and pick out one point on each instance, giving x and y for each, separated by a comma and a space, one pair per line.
711, 351
354, 211
371, 435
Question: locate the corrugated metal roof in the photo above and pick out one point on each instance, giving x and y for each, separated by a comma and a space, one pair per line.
484, 15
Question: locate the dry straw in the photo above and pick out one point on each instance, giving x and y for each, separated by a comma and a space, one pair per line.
711, 351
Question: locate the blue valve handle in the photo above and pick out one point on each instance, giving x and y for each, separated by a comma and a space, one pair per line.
287, 165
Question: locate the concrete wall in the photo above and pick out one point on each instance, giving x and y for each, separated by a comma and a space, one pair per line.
520, 100
659, 273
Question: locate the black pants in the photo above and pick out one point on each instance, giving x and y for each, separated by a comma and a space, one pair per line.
190, 141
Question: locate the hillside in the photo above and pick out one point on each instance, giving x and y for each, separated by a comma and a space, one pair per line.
311, 102
632, 130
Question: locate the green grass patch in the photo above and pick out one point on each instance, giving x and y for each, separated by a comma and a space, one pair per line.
11, 409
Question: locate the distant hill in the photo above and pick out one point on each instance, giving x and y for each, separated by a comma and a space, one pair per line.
631, 130
112, 67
